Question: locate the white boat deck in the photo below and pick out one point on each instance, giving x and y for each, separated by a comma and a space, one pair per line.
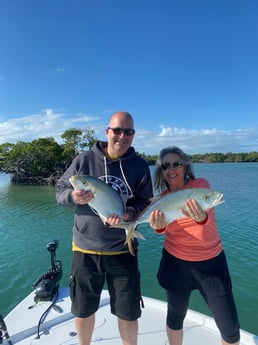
58, 326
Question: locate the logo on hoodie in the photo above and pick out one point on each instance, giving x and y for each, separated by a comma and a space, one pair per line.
117, 184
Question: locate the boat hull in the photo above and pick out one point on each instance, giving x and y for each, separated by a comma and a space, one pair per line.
58, 327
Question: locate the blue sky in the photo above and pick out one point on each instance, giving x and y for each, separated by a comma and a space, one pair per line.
187, 70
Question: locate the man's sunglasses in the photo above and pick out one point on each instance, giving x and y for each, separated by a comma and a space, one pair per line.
127, 131
176, 165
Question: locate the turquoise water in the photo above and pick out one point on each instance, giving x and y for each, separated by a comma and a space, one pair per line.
30, 218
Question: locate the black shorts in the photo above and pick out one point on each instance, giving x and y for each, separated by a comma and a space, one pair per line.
120, 272
212, 279
211, 276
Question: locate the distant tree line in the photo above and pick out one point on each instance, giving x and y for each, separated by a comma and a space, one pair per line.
228, 157
43, 161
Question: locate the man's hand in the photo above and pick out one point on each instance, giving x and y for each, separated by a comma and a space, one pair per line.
82, 197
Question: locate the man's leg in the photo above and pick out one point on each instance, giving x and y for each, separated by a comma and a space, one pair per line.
128, 331
84, 327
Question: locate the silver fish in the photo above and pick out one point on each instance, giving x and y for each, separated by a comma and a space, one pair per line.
106, 200
171, 205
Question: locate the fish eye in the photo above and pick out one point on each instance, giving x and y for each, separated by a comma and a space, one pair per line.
206, 196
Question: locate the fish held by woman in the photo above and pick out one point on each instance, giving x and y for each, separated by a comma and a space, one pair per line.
107, 201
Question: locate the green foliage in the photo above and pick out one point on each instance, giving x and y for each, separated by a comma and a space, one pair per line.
212, 157
228, 157
41, 157
75, 141
5, 150
71, 139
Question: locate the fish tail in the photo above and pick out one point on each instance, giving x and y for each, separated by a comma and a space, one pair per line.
137, 234
130, 230
130, 247
129, 237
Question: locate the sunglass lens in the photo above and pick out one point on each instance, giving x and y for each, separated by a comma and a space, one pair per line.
117, 131
175, 165
165, 166
127, 131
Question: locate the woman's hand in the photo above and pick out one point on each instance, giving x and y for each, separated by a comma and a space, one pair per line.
194, 211
157, 220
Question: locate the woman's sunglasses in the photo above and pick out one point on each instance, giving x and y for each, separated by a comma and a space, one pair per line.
127, 131
176, 165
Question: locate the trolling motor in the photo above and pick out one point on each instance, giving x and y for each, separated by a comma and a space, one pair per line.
46, 286
46, 289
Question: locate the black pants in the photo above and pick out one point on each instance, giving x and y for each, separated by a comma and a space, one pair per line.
212, 279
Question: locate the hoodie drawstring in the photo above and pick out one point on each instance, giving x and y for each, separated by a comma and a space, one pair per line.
122, 171
105, 165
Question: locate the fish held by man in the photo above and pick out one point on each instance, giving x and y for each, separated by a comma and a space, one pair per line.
106, 201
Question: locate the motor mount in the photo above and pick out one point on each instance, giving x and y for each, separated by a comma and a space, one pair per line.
46, 286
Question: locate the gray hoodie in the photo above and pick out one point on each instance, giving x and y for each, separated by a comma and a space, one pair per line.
129, 176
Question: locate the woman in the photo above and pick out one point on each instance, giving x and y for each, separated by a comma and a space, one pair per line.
193, 257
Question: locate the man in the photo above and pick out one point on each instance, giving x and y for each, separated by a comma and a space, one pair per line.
98, 250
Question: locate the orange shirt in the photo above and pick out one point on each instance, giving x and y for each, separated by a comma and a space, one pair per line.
188, 240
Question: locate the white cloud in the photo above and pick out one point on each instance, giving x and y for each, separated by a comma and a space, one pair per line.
45, 124
195, 141
165, 131
50, 123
